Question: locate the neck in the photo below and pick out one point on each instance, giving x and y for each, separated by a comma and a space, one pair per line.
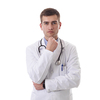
49, 37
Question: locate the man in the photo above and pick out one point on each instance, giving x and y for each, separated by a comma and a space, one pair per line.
52, 63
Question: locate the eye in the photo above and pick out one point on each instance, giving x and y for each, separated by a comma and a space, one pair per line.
46, 23
53, 23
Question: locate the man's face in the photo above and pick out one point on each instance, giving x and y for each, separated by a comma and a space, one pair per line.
50, 26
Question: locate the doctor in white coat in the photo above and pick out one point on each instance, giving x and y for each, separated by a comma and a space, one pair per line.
52, 63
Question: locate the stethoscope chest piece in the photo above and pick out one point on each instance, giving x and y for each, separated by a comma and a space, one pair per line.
58, 62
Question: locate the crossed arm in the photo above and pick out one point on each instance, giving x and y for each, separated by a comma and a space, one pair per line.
51, 46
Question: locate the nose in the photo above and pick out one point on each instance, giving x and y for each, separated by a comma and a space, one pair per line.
50, 26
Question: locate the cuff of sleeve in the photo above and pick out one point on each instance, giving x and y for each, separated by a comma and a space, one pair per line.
48, 51
48, 85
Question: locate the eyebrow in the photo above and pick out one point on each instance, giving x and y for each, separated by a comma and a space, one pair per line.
48, 21
54, 21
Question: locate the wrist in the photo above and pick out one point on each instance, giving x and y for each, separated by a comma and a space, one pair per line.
50, 49
44, 84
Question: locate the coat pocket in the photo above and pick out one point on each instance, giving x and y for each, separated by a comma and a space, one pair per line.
63, 70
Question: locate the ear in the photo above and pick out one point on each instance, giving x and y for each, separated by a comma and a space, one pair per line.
41, 26
60, 25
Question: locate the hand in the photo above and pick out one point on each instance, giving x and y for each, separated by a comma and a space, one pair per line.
38, 86
52, 44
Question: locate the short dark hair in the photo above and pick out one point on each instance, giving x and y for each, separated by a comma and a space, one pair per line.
49, 12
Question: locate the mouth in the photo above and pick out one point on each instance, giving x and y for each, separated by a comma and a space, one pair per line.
50, 32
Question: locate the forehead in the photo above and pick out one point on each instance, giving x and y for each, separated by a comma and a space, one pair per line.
50, 18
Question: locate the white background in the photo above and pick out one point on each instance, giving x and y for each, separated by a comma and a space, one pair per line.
19, 27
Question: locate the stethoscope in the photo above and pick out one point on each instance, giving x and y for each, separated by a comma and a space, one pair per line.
58, 62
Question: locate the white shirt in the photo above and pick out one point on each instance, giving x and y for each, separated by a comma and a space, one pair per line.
42, 66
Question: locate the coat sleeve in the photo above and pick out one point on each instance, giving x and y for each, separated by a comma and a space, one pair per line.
71, 78
37, 67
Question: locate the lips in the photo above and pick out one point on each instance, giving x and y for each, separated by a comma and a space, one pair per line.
50, 31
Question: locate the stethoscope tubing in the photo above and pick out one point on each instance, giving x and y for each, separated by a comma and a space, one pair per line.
41, 46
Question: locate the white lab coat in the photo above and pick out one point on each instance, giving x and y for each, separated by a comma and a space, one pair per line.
42, 66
